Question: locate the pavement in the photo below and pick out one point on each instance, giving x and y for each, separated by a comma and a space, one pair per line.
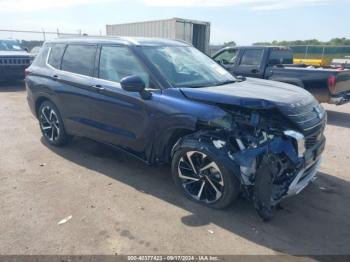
115, 204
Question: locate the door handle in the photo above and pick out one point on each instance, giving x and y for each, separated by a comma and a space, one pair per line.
98, 88
55, 77
255, 71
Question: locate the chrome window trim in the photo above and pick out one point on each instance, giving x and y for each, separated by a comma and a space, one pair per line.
85, 76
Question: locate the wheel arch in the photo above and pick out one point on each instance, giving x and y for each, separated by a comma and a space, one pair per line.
38, 103
205, 139
167, 141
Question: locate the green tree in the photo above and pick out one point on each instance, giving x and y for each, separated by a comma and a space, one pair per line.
230, 43
335, 41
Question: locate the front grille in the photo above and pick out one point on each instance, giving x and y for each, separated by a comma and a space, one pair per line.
313, 139
310, 118
15, 61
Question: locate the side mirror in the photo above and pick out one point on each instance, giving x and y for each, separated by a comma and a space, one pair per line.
26, 49
135, 84
223, 62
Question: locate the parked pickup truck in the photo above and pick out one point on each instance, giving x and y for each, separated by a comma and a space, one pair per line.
13, 60
276, 63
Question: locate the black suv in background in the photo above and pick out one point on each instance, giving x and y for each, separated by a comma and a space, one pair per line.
166, 102
13, 60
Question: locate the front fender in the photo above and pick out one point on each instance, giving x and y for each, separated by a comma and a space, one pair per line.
213, 142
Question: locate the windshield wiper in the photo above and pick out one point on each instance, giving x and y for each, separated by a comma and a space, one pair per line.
226, 82
196, 85
208, 85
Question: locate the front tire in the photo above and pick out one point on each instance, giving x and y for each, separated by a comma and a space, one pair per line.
51, 124
201, 176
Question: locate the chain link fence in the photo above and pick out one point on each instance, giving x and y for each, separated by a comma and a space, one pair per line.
31, 39
326, 53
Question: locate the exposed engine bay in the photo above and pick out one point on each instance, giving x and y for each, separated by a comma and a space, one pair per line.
266, 153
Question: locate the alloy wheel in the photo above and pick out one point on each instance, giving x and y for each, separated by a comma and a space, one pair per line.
49, 123
200, 177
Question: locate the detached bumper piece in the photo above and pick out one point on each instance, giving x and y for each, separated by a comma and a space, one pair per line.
340, 99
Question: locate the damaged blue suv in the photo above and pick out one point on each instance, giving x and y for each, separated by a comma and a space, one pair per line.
166, 102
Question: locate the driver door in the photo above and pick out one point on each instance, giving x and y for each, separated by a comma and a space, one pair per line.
121, 118
227, 58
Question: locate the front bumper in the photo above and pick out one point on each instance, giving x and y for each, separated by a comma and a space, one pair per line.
312, 162
303, 178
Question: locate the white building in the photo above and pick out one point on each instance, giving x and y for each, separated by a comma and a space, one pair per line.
194, 32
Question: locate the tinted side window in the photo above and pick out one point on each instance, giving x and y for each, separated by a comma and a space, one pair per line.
56, 55
79, 59
117, 62
252, 57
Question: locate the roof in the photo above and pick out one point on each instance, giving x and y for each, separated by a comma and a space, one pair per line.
176, 19
136, 41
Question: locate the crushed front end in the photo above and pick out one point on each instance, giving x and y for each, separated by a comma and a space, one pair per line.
276, 151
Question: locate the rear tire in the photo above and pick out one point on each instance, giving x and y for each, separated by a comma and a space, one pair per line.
200, 175
51, 125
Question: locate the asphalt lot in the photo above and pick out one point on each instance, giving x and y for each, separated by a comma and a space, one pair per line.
121, 206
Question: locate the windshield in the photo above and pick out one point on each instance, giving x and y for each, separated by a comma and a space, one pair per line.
185, 66
10, 45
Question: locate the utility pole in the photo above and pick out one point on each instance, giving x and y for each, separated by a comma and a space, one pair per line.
44, 34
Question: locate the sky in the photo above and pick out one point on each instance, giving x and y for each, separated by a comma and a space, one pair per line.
242, 21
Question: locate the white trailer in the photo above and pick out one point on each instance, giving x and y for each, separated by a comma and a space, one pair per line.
194, 32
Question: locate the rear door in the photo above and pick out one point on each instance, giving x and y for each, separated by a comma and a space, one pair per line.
227, 58
250, 63
75, 91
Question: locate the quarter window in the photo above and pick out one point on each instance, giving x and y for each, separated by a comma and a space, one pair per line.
41, 58
117, 62
79, 59
252, 57
56, 53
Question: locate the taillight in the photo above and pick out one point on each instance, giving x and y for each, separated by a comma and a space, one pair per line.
331, 84
26, 72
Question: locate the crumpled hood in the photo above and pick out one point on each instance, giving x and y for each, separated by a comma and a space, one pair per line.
15, 53
252, 93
